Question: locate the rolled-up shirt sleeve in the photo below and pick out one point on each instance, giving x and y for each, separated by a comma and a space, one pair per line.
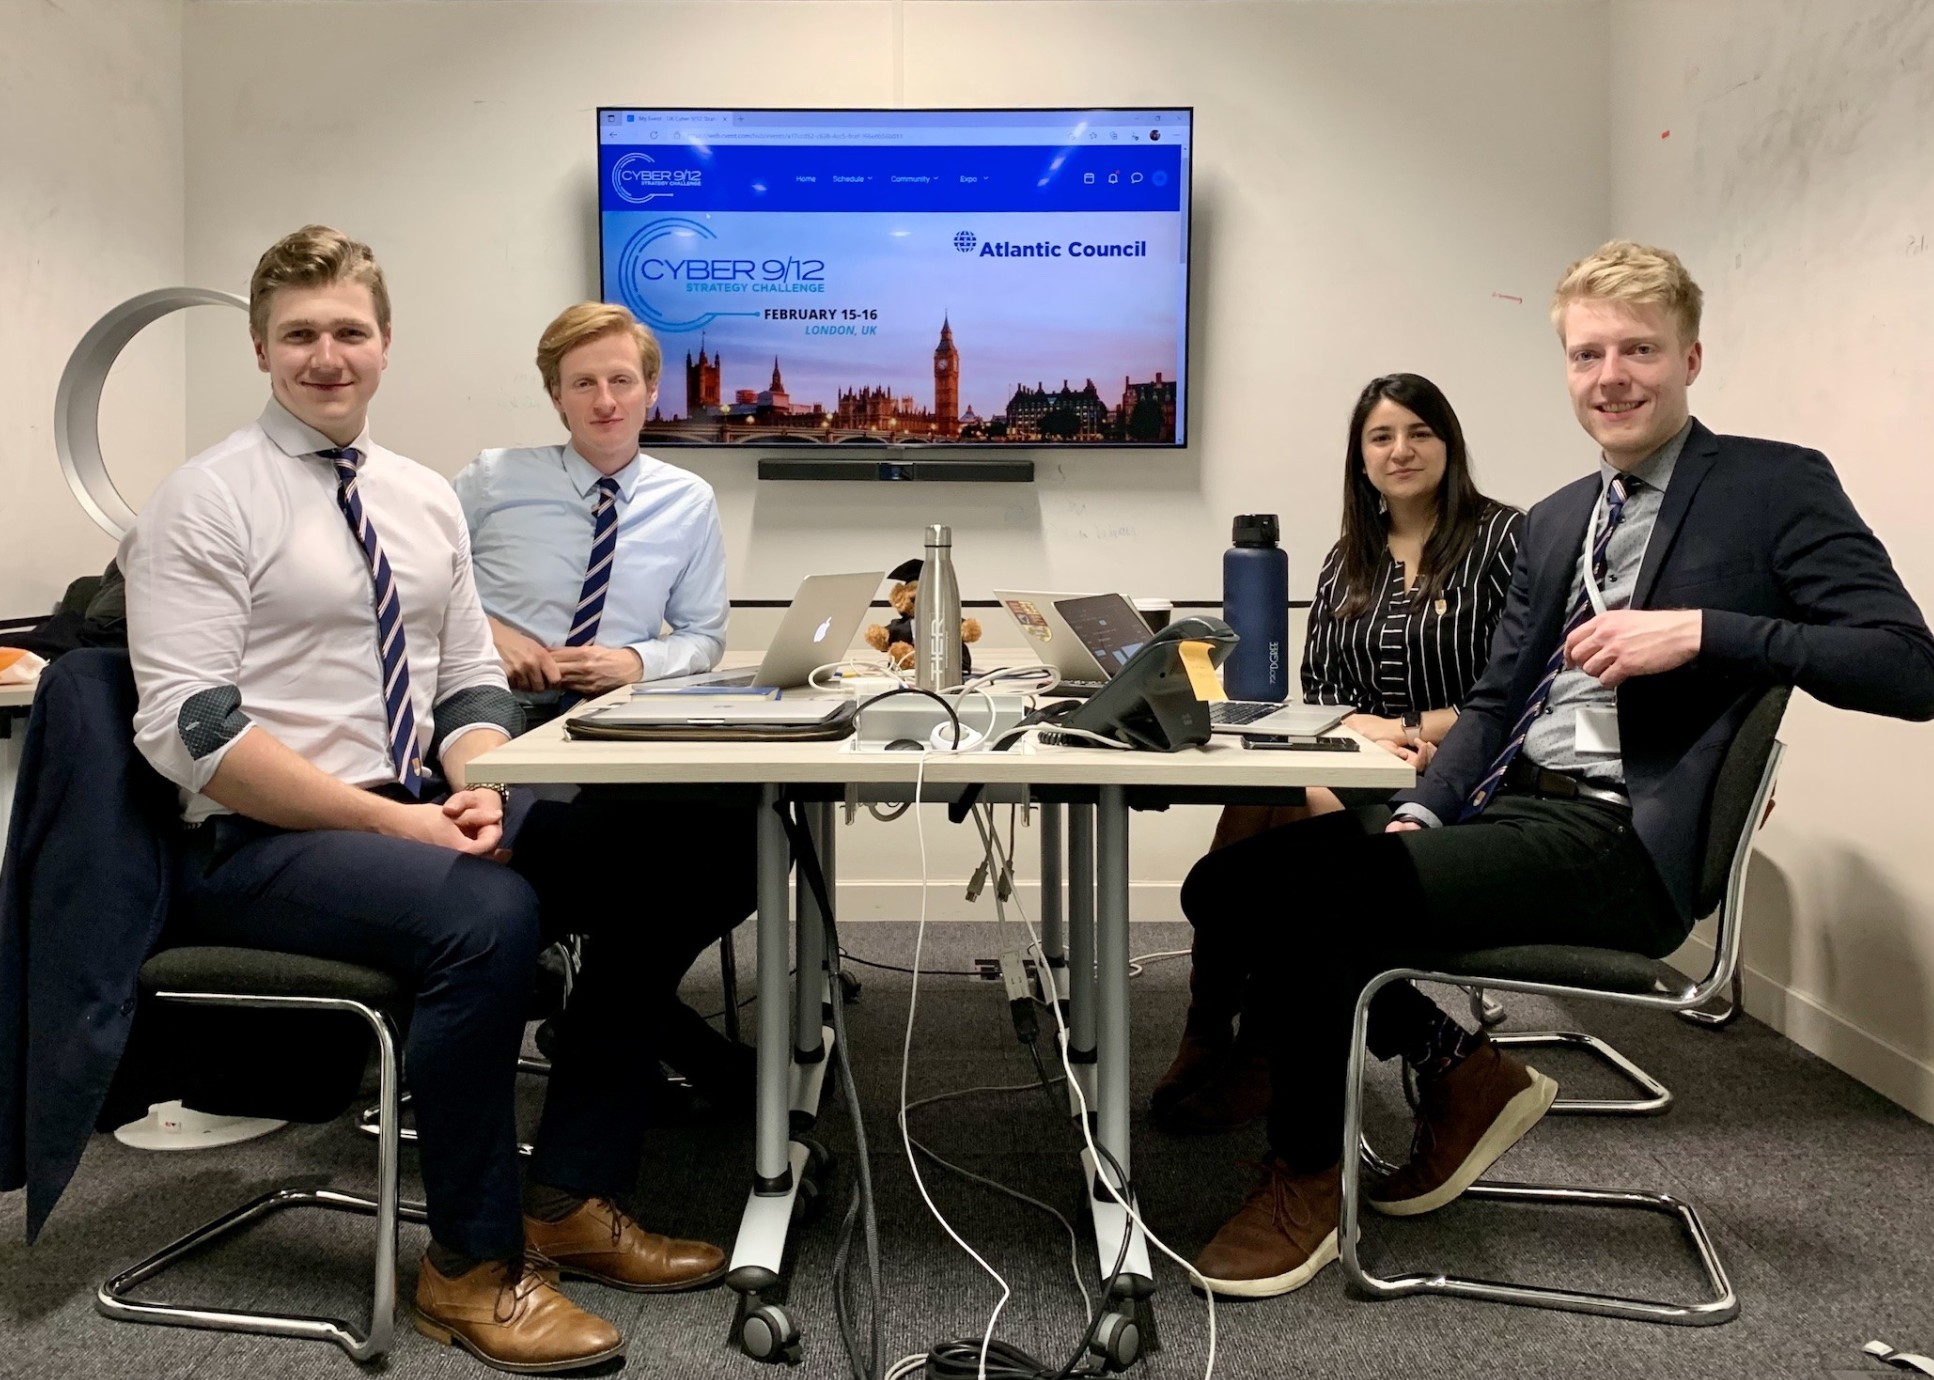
471, 691
188, 614
696, 610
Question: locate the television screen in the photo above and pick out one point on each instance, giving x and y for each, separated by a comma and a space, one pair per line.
956, 277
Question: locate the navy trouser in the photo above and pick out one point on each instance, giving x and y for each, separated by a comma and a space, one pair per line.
466, 932
1330, 902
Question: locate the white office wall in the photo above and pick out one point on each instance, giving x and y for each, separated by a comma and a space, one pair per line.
90, 214
1379, 187
1785, 148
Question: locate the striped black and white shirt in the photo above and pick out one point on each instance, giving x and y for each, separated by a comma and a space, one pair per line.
1407, 653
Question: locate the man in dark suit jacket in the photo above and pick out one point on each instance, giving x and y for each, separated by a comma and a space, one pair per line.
1652, 602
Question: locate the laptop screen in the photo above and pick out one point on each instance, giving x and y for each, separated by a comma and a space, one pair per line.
1107, 626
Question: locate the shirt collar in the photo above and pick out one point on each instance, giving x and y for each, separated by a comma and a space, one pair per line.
297, 437
586, 475
1655, 470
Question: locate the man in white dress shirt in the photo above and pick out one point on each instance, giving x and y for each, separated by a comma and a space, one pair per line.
313, 666
599, 566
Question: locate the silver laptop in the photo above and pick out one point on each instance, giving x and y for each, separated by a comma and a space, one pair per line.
1108, 626
1048, 635
718, 709
817, 630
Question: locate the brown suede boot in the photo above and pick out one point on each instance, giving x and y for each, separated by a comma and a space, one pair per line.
1279, 1238
1466, 1118
600, 1242
511, 1317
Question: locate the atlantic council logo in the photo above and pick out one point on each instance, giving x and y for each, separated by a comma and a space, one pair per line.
965, 241
635, 178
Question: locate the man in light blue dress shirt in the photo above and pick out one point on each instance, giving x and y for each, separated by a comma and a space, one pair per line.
532, 517
599, 566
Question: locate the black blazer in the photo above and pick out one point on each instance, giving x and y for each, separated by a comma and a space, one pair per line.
89, 861
1796, 591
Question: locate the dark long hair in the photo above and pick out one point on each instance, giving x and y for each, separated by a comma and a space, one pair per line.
1366, 528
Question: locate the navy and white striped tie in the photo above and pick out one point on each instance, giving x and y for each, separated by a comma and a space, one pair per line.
1580, 613
597, 574
391, 648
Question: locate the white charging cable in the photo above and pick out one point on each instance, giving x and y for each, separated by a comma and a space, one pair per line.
1045, 969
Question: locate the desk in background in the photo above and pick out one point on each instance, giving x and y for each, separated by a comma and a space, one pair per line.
15, 702
1087, 795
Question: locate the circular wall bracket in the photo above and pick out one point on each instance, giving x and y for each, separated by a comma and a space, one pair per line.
77, 402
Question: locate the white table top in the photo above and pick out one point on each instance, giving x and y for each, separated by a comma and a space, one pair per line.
18, 696
547, 754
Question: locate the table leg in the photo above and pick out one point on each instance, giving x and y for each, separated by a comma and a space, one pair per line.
777, 1164
1053, 929
809, 980
1111, 1072
1081, 934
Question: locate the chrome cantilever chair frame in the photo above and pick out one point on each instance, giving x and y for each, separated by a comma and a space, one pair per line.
1723, 1305
114, 1297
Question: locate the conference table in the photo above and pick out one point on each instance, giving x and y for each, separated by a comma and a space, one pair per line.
15, 703
1086, 795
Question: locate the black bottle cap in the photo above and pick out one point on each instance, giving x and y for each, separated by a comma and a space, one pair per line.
1258, 529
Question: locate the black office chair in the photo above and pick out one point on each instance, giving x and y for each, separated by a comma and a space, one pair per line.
1740, 796
216, 977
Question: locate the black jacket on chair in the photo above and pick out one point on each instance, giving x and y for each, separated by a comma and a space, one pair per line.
88, 859
1796, 591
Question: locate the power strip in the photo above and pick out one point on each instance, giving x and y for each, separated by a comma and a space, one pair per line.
914, 722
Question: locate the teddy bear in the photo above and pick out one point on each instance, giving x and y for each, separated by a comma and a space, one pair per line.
896, 638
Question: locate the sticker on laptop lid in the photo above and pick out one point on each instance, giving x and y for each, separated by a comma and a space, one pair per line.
1030, 619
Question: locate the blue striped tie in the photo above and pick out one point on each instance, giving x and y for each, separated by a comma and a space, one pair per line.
392, 651
597, 575
1580, 613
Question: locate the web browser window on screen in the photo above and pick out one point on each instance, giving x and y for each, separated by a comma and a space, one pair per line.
939, 277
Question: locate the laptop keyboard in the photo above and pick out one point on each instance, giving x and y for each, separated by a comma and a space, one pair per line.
1233, 713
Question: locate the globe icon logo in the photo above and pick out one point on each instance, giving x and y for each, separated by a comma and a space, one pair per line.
965, 241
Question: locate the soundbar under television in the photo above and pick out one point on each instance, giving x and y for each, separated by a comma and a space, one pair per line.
932, 277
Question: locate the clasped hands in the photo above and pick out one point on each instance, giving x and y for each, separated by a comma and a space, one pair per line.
530, 665
470, 821
1617, 645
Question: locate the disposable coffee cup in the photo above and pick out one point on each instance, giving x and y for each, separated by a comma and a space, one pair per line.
1154, 612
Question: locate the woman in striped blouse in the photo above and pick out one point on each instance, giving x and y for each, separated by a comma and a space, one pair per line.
1399, 630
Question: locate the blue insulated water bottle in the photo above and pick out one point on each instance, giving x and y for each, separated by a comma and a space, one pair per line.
1255, 602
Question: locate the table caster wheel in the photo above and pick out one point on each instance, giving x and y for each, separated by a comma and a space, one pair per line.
769, 1334
849, 987
1117, 1341
818, 1158
806, 1200
1486, 1010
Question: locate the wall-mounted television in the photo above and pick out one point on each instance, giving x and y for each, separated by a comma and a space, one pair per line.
916, 277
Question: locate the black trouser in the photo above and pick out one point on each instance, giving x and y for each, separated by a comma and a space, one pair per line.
1331, 902
466, 932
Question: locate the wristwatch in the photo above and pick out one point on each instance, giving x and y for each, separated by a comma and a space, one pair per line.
1413, 723
503, 791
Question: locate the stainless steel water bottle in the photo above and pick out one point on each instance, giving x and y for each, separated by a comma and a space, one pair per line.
936, 615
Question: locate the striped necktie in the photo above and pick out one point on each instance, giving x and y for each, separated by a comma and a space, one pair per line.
392, 651
1581, 612
597, 575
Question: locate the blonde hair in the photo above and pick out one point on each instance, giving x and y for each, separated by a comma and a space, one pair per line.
588, 321
314, 256
1638, 274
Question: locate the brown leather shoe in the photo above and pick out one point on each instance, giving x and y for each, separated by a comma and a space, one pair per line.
513, 1318
1466, 1119
1279, 1238
1234, 1094
600, 1242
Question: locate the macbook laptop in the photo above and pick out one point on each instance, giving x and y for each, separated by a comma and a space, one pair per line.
719, 709
817, 630
1108, 626
1049, 637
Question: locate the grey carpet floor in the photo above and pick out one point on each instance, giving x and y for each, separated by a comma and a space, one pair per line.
1817, 1192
